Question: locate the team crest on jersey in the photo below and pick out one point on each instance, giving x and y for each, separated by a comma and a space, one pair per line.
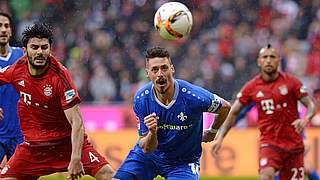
182, 116
69, 95
47, 90
283, 90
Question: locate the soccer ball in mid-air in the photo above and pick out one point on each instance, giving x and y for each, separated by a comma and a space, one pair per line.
173, 20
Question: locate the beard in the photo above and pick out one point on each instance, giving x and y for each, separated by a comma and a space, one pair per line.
38, 66
271, 72
162, 90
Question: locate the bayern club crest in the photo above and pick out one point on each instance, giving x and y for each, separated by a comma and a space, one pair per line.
47, 90
283, 90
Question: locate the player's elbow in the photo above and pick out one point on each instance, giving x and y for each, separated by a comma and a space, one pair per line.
226, 107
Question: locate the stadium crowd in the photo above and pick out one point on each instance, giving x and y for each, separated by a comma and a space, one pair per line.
102, 42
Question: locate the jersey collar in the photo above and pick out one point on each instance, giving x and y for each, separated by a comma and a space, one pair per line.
175, 96
6, 58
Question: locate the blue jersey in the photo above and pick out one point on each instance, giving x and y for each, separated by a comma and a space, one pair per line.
9, 126
180, 124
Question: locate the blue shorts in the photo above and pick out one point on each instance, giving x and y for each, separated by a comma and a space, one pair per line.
8, 146
140, 166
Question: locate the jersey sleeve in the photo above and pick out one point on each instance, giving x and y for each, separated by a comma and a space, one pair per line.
211, 102
142, 128
6, 75
244, 95
299, 89
67, 91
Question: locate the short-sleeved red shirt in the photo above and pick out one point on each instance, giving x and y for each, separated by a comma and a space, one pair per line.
277, 103
43, 99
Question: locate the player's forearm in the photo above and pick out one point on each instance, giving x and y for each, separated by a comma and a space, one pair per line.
149, 142
222, 115
77, 135
311, 107
226, 126
77, 138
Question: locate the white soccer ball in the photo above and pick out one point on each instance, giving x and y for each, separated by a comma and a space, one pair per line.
173, 20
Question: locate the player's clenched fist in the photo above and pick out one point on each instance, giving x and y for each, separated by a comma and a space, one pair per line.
151, 122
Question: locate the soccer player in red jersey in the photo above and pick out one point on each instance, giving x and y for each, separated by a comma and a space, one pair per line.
275, 95
49, 114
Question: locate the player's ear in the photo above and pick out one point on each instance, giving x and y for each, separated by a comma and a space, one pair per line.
172, 69
259, 62
147, 73
24, 50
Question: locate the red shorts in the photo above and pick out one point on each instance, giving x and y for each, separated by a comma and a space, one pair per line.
29, 163
290, 164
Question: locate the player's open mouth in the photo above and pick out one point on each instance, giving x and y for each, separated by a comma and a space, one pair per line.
161, 82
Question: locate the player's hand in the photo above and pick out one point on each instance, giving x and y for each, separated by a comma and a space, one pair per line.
208, 136
151, 122
1, 115
299, 125
215, 147
75, 169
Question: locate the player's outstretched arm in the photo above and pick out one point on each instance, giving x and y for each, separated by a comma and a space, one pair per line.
74, 117
222, 113
149, 142
300, 124
226, 126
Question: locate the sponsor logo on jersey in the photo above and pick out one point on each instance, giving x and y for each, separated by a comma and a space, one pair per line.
138, 122
21, 83
259, 94
69, 95
47, 90
182, 117
283, 90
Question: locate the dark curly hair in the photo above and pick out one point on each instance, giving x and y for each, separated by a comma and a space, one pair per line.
37, 30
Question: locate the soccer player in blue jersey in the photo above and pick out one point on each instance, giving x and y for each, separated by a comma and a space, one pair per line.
10, 134
169, 113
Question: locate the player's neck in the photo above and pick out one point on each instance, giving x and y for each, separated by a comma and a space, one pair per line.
166, 97
35, 72
270, 77
4, 50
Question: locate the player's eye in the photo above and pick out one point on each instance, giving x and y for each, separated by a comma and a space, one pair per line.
155, 70
44, 47
34, 47
164, 68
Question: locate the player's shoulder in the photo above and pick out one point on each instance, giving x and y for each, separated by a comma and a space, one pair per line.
287, 76
57, 66
143, 93
16, 49
191, 91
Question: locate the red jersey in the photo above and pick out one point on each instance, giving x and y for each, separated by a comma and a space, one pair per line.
43, 99
276, 102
